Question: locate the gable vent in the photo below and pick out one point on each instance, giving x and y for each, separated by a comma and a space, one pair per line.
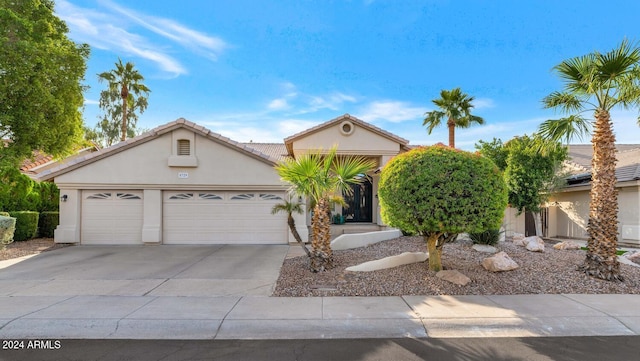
184, 147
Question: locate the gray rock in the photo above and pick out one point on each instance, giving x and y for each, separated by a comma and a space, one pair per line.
499, 262
453, 276
484, 248
534, 244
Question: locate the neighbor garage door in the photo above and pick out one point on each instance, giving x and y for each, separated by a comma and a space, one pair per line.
111, 217
219, 217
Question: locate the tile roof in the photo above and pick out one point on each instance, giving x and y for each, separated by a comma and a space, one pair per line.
627, 167
274, 150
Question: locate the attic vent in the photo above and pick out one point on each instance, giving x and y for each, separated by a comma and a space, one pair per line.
184, 147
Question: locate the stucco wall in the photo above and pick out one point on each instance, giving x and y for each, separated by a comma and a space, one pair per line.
361, 141
147, 164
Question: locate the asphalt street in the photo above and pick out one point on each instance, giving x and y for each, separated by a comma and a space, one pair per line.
611, 348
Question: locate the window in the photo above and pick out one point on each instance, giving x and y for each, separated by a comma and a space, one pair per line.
184, 147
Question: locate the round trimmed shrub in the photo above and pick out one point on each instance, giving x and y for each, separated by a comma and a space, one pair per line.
47, 223
7, 229
438, 192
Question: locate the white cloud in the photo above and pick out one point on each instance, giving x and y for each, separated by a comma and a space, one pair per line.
483, 103
392, 111
91, 102
108, 29
278, 104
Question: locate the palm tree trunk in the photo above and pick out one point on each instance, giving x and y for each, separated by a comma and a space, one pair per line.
124, 94
321, 254
601, 260
451, 124
292, 227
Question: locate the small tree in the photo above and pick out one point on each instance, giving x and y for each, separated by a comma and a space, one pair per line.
438, 192
530, 166
290, 208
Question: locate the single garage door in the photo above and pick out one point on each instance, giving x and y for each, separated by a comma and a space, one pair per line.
111, 217
221, 217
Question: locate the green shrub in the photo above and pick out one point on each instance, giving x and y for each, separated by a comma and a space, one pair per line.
438, 192
26, 225
47, 223
17, 191
490, 237
49, 195
7, 229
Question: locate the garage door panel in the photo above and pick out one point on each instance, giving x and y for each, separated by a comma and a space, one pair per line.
112, 217
212, 217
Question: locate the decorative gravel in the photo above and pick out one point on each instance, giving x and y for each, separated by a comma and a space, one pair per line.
551, 272
25, 248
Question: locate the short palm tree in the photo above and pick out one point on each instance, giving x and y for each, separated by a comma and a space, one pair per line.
456, 107
597, 82
320, 177
126, 82
291, 207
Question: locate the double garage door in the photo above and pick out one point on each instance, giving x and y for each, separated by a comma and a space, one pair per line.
188, 217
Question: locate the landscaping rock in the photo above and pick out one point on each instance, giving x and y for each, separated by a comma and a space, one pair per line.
499, 262
566, 245
520, 242
454, 276
485, 248
503, 235
518, 236
390, 262
535, 244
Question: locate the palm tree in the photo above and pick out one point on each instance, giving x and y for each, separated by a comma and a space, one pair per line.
320, 177
125, 83
597, 82
456, 107
290, 207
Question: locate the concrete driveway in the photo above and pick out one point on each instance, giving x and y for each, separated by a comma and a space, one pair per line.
216, 270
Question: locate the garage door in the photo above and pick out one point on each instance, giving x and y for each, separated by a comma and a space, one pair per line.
211, 217
111, 217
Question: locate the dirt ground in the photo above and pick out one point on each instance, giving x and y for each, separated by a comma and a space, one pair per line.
25, 248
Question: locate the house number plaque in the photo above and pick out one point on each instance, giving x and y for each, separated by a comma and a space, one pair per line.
183, 175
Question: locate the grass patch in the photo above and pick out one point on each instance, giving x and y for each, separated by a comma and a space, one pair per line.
618, 252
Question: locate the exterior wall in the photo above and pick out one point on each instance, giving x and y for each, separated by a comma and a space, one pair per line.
69, 229
571, 214
147, 164
512, 222
361, 141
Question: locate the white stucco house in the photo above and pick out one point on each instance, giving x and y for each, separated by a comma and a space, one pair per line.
183, 184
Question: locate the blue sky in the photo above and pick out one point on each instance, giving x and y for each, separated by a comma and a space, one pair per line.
264, 70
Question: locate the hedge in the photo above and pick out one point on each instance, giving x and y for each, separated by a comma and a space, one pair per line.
7, 229
26, 225
47, 223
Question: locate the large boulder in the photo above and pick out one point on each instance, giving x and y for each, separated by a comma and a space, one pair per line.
520, 242
566, 245
453, 276
499, 262
534, 244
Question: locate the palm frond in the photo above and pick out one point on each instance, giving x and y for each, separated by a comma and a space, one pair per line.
565, 129
433, 120
565, 101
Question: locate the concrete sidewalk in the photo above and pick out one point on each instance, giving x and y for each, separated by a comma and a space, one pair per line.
259, 317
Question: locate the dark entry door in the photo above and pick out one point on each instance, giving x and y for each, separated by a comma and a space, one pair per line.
359, 207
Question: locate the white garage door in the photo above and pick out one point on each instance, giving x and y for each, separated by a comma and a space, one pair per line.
211, 217
111, 217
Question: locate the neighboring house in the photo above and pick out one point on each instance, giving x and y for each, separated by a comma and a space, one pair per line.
39, 161
183, 184
567, 212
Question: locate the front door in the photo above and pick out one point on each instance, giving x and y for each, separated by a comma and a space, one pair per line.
359, 205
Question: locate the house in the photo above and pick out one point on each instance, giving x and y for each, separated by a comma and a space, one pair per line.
567, 212
40, 161
183, 184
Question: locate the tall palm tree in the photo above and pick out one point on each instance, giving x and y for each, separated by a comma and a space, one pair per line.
597, 82
126, 82
320, 177
456, 107
291, 207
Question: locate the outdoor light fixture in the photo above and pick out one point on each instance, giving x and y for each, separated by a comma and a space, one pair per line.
64, 198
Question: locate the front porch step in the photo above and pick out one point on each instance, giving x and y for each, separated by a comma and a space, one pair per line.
350, 228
